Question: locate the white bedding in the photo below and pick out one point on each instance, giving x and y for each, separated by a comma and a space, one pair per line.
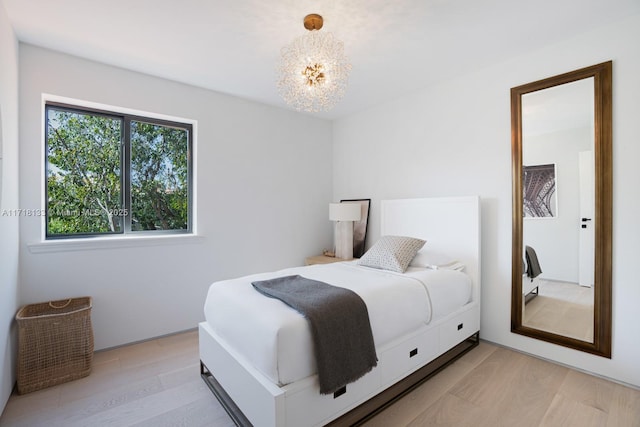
276, 339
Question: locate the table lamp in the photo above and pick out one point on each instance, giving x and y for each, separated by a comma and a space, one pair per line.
344, 214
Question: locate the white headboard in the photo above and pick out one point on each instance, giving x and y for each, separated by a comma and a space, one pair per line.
450, 225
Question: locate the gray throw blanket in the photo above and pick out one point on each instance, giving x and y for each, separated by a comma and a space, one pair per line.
533, 266
340, 327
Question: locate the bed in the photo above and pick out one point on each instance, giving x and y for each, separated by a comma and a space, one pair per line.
530, 277
529, 288
262, 369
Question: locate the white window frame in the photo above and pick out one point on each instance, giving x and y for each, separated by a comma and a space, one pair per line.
118, 240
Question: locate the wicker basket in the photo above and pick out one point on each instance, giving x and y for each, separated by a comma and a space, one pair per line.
55, 343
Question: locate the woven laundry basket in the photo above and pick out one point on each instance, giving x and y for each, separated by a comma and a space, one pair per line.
55, 343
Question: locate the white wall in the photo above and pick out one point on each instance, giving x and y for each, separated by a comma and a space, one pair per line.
264, 183
454, 139
8, 200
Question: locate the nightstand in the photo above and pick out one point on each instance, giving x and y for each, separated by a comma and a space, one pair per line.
323, 259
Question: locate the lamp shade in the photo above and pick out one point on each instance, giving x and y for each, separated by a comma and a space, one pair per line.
344, 211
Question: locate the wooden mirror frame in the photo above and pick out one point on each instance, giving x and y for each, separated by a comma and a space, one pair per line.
601, 74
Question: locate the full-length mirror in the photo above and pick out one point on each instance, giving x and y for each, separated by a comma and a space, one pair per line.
562, 206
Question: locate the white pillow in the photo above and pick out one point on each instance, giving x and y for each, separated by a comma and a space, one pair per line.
435, 261
392, 253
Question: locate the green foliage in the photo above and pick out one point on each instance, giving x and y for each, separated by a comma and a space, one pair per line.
83, 173
159, 177
84, 176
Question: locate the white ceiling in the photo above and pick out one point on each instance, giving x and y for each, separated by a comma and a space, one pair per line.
233, 46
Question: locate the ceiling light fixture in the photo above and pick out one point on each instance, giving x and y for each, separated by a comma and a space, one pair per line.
314, 71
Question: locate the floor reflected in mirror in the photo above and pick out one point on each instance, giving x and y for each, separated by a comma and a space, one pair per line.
563, 308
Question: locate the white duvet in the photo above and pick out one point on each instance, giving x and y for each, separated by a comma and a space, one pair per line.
276, 339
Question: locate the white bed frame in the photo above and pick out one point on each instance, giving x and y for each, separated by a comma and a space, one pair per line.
450, 225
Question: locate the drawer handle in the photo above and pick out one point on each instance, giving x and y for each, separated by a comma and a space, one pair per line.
460, 326
339, 392
413, 352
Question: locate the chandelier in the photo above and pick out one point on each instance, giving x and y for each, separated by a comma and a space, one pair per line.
313, 71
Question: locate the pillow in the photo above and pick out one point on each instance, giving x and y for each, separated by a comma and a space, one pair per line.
428, 259
435, 261
392, 253
453, 265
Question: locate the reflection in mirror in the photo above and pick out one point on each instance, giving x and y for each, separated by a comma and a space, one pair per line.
558, 166
561, 162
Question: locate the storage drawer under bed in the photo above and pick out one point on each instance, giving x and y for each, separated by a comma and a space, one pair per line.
459, 328
308, 407
408, 355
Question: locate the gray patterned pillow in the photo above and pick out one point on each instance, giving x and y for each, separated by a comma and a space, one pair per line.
392, 253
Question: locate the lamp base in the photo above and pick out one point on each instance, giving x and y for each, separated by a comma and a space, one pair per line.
344, 239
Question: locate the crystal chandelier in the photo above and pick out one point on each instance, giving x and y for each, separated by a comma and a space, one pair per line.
313, 71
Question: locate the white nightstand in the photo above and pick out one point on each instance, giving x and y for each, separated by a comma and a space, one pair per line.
323, 259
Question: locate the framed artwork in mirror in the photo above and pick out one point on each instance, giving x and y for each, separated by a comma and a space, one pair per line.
539, 191
360, 227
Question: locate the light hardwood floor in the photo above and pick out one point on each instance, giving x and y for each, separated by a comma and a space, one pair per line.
157, 383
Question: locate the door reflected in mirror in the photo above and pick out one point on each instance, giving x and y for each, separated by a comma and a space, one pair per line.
562, 209
558, 206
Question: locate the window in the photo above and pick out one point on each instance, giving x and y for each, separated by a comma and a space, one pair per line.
109, 173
